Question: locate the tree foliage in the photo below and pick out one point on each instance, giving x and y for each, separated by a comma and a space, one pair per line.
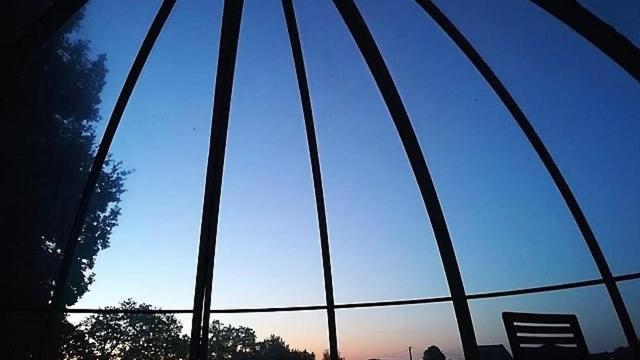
47, 140
126, 336
274, 348
327, 356
158, 336
433, 353
228, 342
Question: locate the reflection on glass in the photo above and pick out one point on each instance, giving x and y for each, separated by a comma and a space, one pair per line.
591, 306
126, 335
631, 294
381, 333
382, 246
161, 149
274, 336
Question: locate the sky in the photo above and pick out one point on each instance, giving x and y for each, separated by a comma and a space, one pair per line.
509, 224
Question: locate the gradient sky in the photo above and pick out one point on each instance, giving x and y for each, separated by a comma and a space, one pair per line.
509, 224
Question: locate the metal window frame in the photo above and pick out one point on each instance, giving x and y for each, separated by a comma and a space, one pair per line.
57, 299
592, 28
24, 49
305, 99
599, 33
545, 156
228, 47
352, 305
384, 81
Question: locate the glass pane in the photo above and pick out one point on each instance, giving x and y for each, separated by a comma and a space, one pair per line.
52, 119
144, 236
127, 336
623, 15
268, 251
502, 209
591, 305
631, 294
583, 105
382, 245
387, 333
269, 336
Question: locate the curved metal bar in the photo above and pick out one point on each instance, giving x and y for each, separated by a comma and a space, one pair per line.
572, 203
359, 305
301, 75
228, 48
36, 36
371, 54
57, 300
602, 35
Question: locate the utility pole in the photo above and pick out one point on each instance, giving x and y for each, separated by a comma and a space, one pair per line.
410, 355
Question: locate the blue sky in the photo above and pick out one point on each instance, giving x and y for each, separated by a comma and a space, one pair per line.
509, 224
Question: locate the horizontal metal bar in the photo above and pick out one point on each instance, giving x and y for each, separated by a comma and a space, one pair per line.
268, 309
395, 302
541, 289
537, 289
627, 277
431, 300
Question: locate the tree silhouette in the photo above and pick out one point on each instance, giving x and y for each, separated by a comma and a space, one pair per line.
228, 342
274, 348
127, 336
433, 353
47, 141
327, 356
152, 336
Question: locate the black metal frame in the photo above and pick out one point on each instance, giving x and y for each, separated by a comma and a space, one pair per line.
554, 171
230, 32
34, 38
593, 29
371, 54
355, 305
305, 99
57, 300
602, 35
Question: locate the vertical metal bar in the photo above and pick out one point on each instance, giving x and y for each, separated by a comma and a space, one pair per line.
599, 33
230, 31
521, 119
57, 301
380, 72
298, 59
36, 36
